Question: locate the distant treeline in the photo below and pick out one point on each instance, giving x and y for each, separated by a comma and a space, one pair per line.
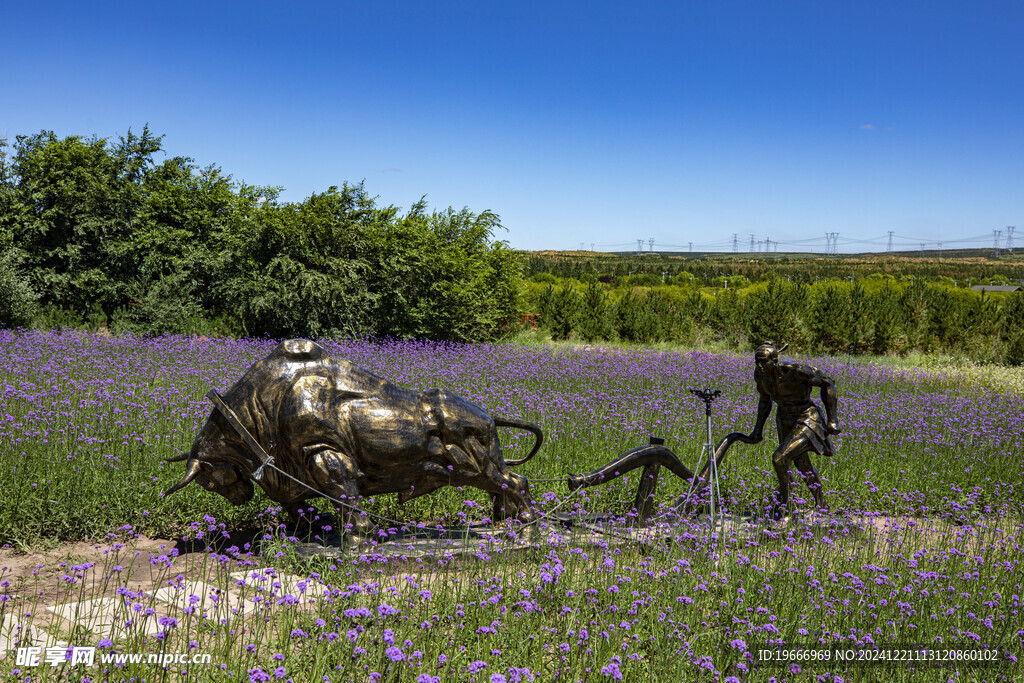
962, 271
101, 234
878, 314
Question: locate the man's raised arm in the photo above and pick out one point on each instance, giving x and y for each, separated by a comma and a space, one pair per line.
828, 399
764, 409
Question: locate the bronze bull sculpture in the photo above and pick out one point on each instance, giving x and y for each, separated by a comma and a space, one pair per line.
346, 433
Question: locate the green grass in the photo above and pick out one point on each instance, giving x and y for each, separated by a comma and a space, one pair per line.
926, 545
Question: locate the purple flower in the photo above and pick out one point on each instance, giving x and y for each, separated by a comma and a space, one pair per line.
613, 671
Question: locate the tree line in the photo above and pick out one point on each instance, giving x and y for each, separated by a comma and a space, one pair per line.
875, 315
100, 232
961, 272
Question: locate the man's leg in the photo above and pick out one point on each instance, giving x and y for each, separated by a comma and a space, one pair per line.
810, 475
791, 447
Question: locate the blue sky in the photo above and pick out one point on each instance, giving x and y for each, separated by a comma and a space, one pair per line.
586, 122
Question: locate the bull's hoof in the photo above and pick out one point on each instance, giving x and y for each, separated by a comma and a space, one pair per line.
359, 525
527, 516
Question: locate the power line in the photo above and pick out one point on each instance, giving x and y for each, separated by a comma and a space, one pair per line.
833, 243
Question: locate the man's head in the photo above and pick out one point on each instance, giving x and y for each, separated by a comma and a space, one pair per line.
767, 355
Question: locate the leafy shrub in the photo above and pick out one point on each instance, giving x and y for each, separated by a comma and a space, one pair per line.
18, 301
1011, 329
697, 308
634, 320
169, 305
726, 317
53, 317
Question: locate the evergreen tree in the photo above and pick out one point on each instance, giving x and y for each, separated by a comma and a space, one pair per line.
594, 323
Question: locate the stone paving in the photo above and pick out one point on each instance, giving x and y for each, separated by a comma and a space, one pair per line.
116, 617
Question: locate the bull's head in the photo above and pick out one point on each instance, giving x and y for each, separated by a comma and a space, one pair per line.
218, 459
211, 469
223, 478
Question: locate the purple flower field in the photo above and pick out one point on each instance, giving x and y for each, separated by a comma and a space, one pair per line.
82, 411
925, 547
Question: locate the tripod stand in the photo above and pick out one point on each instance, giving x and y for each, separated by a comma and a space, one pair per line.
716, 513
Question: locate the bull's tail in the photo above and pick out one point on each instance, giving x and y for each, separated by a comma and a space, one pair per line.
521, 424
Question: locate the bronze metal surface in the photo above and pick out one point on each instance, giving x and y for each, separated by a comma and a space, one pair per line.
321, 422
801, 425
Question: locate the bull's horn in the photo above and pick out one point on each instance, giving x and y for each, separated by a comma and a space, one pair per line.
181, 457
190, 474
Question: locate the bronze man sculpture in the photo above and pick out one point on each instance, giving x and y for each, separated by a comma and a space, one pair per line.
801, 425
304, 424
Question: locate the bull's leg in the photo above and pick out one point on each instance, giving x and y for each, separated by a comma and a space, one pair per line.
514, 497
297, 512
305, 517
336, 473
509, 491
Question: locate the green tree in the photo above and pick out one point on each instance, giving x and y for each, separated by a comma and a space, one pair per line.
726, 317
914, 314
634, 321
858, 325
884, 310
444, 275
594, 323
825, 321
774, 311
561, 311
301, 269
80, 201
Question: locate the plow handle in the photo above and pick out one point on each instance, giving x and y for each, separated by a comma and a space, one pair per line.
723, 447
